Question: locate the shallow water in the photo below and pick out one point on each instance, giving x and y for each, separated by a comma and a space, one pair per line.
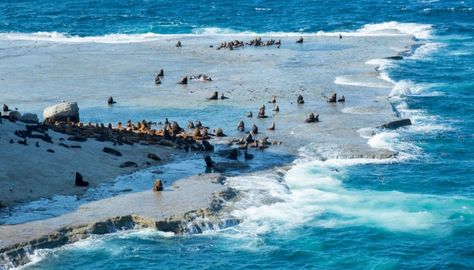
411, 212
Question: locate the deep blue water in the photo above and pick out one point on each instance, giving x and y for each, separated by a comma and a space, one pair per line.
416, 214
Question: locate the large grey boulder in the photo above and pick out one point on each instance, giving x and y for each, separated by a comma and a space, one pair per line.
62, 112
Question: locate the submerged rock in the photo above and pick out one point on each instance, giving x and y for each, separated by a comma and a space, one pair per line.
396, 124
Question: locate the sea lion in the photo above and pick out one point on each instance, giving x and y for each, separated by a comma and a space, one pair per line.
79, 181
111, 101
223, 97
184, 80
178, 44
261, 112
5, 108
249, 138
342, 99
161, 74
219, 132
300, 99
273, 100
214, 96
191, 125
254, 130
277, 109
333, 98
158, 185
157, 80
272, 127
241, 126
249, 114
300, 40
312, 118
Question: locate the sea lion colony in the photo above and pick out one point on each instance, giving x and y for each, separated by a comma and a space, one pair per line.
171, 134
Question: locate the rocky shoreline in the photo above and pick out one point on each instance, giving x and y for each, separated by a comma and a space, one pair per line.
154, 210
62, 146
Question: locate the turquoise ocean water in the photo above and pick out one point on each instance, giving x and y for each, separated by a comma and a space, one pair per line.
415, 213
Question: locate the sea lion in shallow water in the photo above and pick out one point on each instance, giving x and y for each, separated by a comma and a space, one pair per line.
342, 99
241, 126
312, 118
272, 127
79, 181
214, 96
300, 99
333, 98
111, 101
178, 44
300, 40
184, 80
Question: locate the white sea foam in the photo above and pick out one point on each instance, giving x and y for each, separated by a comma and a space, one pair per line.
317, 197
345, 80
381, 29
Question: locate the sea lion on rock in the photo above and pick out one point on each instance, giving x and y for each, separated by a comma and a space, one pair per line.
300, 40
342, 99
241, 126
214, 96
111, 101
79, 181
261, 112
312, 118
219, 132
5, 108
333, 98
300, 99
249, 138
184, 80
254, 130
272, 127
191, 125
207, 146
157, 80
